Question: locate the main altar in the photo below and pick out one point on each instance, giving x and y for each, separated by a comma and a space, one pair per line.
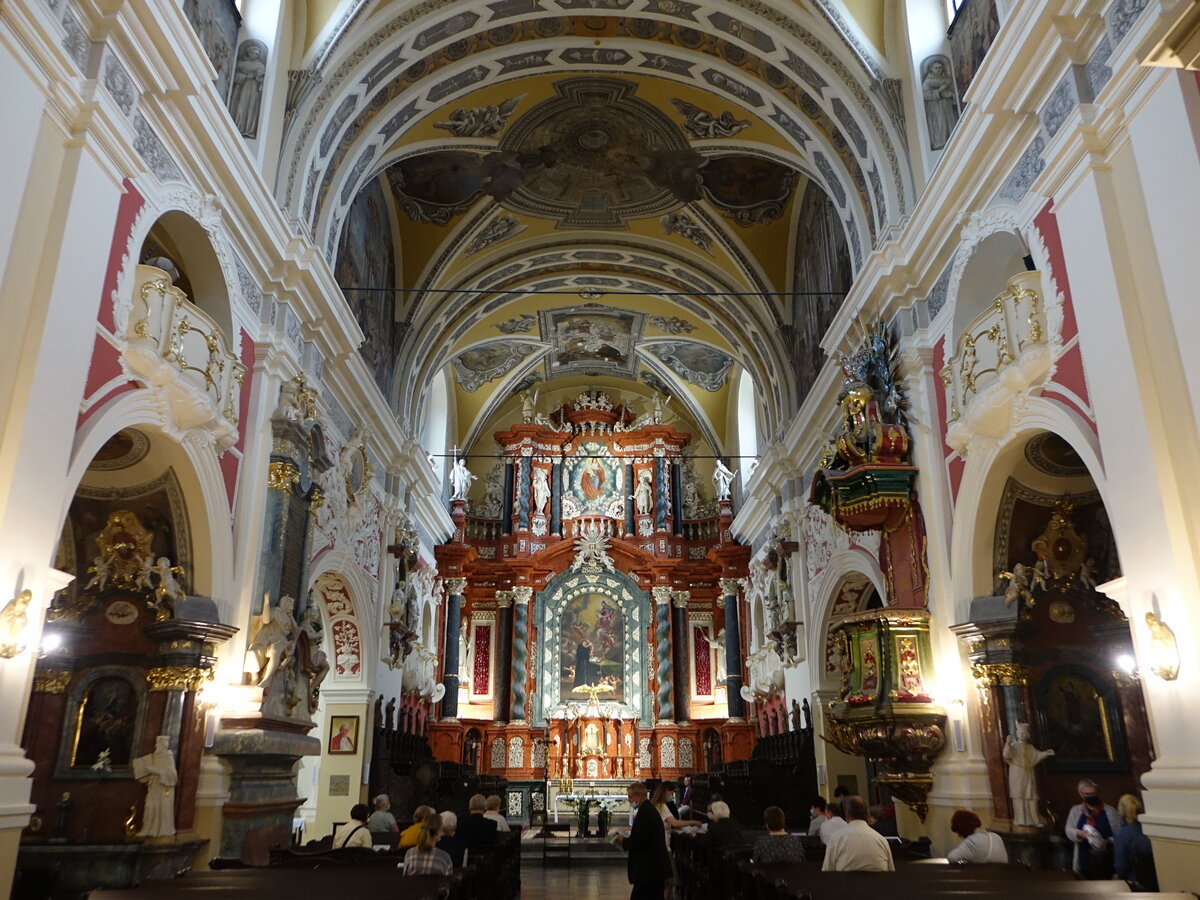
592, 598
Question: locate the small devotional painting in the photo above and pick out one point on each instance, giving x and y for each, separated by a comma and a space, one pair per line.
1080, 721
593, 649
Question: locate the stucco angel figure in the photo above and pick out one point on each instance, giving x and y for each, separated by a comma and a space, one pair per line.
102, 571
722, 479
528, 406
460, 480
157, 771
1021, 757
1018, 584
168, 591
318, 661
273, 644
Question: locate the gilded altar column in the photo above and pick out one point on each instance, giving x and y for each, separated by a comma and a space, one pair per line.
450, 661
504, 652
733, 648
519, 643
679, 624
662, 634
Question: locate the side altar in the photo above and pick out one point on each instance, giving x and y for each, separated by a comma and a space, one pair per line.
593, 594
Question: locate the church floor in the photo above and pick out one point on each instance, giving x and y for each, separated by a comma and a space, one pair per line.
583, 879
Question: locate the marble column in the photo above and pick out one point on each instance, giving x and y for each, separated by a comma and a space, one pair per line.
733, 647
501, 693
521, 596
662, 636
450, 661
680, 645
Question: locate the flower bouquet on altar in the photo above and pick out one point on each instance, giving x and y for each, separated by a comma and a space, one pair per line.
583, 807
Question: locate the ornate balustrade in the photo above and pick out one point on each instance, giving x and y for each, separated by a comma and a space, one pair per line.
173, 345
1003, 352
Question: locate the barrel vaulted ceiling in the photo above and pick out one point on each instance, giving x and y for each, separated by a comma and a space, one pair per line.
589, 193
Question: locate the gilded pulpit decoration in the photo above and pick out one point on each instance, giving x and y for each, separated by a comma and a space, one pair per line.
864, 478
884, 710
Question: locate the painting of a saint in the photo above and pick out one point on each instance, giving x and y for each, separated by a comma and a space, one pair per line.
106, 722
593, 648
1079, 721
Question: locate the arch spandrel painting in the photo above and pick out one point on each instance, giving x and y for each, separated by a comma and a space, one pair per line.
593, 487
592, 650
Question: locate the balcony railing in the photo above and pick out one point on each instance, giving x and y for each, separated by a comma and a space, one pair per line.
1001, 353
175, 346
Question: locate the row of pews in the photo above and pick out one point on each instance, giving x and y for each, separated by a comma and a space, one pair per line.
491, 873
706, 873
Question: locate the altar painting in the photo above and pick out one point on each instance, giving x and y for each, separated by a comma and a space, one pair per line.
592, 650
594, 484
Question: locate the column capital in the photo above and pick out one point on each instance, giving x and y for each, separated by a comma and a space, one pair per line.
681, 598
522, 593
662, 595
731, 586
504, 599
455, 585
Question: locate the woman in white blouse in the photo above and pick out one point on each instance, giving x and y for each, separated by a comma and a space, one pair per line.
978, 844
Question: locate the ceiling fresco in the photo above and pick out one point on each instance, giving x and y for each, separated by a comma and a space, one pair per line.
587, 193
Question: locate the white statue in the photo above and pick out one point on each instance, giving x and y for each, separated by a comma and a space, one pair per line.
541, 490
102, 570
1018, 584
273, 644
306, 689
659, 407
718, 644
528, 406
460, 480
157, 771
168, 588
1021, 757
643, 494
722, 479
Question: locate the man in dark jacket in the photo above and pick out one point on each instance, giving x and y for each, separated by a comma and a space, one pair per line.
476, 830
649, 862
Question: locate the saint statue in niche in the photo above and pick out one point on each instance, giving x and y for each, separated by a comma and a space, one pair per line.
941, 101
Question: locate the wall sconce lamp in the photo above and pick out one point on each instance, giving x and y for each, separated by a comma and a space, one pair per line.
1126, 672
1163, 648
14, 625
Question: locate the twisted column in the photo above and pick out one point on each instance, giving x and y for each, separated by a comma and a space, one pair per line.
662, 634
520, 651
733, 648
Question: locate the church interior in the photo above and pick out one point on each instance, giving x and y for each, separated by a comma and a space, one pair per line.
530, 397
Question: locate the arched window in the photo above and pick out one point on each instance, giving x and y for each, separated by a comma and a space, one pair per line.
747, 427
437, 422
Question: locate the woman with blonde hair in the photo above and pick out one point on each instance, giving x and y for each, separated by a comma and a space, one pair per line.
1133, 857
425, 858
408, 837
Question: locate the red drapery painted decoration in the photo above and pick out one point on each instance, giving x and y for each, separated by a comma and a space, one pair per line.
703, 657
483, 660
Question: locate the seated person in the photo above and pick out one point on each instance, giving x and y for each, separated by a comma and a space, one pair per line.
425, 858
475, 830
857, 847
354, 833
833, 821
492, 811
883, 820
1133, 858
777, 846
408, 837
723, 832
817, 818
978, 844
453, 846
382, 819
